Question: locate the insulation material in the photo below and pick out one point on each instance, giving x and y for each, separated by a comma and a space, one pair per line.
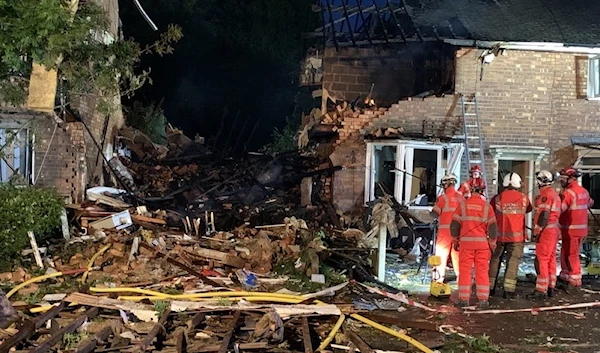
42, 89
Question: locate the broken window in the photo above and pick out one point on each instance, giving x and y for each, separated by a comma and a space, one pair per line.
410, 170
15, 155
594, 77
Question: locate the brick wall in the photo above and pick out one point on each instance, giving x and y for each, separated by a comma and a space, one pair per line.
103, 127
526, 98
396, 73
59, 157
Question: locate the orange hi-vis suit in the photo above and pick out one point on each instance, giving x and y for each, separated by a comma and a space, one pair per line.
573, 223
547, 212
510, 207
467, 186
474, 230
444, 207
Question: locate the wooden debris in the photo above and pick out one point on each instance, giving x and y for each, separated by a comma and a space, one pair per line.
71, 327
36, 251
229, 335
306, 336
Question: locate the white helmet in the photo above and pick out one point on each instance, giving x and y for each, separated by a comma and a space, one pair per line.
449, 179
512, 179
544, 177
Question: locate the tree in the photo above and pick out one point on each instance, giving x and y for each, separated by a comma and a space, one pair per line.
47, 32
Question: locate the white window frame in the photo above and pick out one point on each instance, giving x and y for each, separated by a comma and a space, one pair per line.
16, 153
583, 153
593, 84
404, 162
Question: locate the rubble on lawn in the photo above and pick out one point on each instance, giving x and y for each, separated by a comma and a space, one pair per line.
160, 252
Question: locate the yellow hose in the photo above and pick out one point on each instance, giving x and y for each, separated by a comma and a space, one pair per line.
152, 293
387, 330
32, 280
331, 335
272, 297
92, 260
249, 299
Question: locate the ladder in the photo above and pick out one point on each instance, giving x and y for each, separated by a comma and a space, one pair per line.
472, 128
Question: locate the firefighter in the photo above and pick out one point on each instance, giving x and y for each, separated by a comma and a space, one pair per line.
573, 223
474, 231
443, 209
476, 180
545, 234
510, 207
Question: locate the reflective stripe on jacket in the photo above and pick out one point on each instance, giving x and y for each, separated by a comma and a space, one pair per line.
575, 203
510, 207
474, 215
444, 207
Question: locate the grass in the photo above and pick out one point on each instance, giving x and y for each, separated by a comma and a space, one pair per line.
479, 344
160, 307
71, 340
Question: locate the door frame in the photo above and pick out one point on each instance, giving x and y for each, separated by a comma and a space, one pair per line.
533, 155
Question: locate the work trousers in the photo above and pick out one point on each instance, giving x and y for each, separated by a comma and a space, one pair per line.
569, 259
443, 249
514, 252
480, 260
545, 260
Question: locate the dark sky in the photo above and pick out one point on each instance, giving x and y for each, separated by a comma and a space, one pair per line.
236, 66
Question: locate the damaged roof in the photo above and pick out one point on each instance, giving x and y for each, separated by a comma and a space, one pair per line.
371, 22
557, 21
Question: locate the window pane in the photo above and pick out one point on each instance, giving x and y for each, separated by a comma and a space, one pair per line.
591, 182
384, 162
594, 79
425, 175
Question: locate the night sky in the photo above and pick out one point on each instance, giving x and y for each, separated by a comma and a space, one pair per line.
237, 64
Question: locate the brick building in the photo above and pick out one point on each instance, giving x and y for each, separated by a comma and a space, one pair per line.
537, 86
51, 152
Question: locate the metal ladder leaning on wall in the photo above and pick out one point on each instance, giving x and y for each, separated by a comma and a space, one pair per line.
472, 128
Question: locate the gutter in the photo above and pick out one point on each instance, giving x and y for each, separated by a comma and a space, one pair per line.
530, 46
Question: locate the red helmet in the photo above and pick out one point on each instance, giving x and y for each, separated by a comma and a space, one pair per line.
475, 168
570, 172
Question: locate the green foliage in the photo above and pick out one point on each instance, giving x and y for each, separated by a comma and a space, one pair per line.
160, 307
77, 45
71, 340
25, 209
482, 344
149, 119
285, 140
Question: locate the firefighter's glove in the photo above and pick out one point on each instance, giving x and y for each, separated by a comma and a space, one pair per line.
492, 244
455, 244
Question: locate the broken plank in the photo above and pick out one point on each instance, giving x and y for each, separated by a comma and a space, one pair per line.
70, 328
140, 218
157, 331
223, 257
359, 342
190, 270
227, 338
89, 344
195, 321
242, 346
36, 251
29, 327
306, 336
180, 340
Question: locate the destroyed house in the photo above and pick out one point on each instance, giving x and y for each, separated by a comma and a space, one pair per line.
44, 148
417, 88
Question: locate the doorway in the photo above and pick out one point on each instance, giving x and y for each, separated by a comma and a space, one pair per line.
525, 169
511, 166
